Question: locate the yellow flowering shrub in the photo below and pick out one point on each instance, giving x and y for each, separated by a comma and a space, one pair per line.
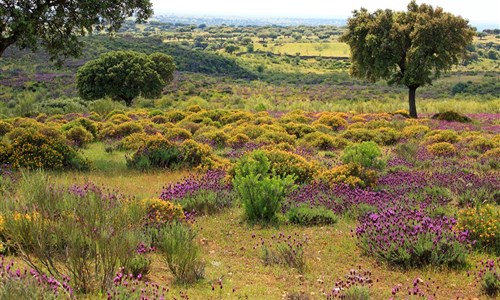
437, 136
296, 116
402, 112
492, 154
483, 224
177, 134
175, 115
159, 212
5, 152
133, 141
324, 141
481, 144
331, 120
414, 131
286, 163
441, 149
119, 119
238, 140
350, 174
5, 128
33, 150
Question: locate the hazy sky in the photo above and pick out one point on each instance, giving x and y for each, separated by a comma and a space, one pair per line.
477, 10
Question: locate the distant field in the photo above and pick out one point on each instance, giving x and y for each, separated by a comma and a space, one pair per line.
331, 49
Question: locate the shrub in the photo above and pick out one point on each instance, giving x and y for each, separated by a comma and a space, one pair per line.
5, 128
351, 174
323, 141
160, 119
437, 136
117, 118
299, 130
159, 212
276, 137
386, 136
483, 224
238, 140
331, 120
33, 150
175, 116
311, 216
138, 265
156, 153
215, 137
5, 153
207, 202
133, 141
178, 248
24, 284
359, 134
441, 149
452, 117
357, 293
79, 136
366, 154
415, 131
407, 238
195, 154
482, 144
489, 278
177, 134
88, 124
284, 163
66, 232
261, 195
285, 251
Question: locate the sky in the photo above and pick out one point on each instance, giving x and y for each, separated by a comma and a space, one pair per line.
482, 11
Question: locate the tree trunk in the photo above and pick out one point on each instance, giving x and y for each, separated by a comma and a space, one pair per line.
411, 99
5, 43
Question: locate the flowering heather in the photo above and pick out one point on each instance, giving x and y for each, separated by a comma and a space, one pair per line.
285, 250
339, 198
26, 284
488, 277
360, 278
127, 286
211, 181
409, 238
419, 289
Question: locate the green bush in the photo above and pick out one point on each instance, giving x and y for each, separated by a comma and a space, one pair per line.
310, 216
177, 245
357, 293
451, 116
490, 283
156, 153
366, 154
261, 194
138, 264
205, 202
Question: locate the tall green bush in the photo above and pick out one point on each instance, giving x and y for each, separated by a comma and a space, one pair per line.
261, 193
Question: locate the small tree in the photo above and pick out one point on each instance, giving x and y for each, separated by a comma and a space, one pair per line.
56, 25
124, 75
411, 48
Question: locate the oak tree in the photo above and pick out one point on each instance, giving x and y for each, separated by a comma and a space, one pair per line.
55, 25
411, 48
125, 75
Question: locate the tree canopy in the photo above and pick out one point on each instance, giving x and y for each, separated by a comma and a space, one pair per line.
56, 25
411, 48
124, 75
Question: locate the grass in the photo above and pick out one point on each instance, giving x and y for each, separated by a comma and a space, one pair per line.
110, 170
